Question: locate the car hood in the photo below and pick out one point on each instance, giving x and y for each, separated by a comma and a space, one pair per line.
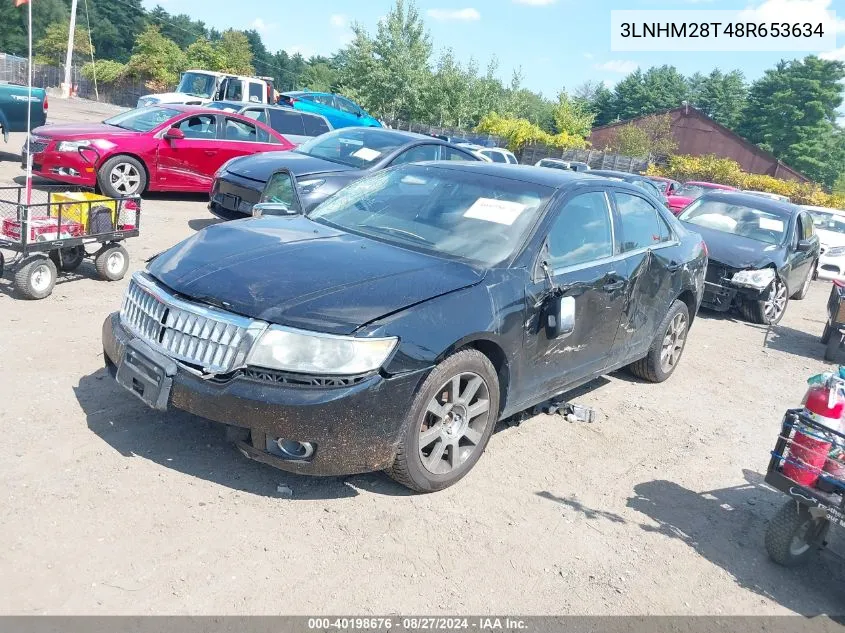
81, 131
736, 251
260, 166
177, 98
830, 239
295, 272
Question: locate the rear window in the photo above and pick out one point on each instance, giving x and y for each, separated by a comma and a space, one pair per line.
256, 92
315, 125
287, 122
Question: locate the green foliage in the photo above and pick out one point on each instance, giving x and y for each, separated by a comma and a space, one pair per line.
106, 71
204, 55
234, 53
650, 136
13, 23
520, 132
720, 96
156, 59
791, 111
572, 116
728, 172
319, 77
641, 93
51, 48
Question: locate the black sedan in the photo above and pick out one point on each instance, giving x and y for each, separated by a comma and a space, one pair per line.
323, 166
391, 327
762, 252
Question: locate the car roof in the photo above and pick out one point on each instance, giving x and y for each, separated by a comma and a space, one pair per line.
711, 185
525, 173
288, 109
750, 200
616, 174
831, 210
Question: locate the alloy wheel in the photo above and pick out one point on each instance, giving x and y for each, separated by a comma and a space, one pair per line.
453, 424
125, 179
775, 304
673, 343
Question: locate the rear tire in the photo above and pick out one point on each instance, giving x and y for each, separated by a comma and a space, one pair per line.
70, 258
668, 346
793, 534
36, 277
445, 435
112, 262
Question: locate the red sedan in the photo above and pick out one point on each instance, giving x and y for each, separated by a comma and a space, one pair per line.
683, 196
158, 148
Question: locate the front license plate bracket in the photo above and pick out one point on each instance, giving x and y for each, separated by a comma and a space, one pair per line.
147, 374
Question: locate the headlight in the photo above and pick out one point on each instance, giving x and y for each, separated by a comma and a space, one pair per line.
836, 251
757, 279
73, 146
312, 353
307, 187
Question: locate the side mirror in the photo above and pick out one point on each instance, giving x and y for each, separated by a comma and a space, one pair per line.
560, 317
174, 134
272, 208
805, 245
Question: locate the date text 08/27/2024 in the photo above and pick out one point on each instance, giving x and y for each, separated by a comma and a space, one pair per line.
416, 623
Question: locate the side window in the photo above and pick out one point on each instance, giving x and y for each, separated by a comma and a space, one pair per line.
641, 224
512, 159
287, 122
582, 231
315, 125
280, 190
447, 153
326, 100
259, 114
496, 157
417, 154
201, 126
807, 230
256, 92
346, 106
235, 130
234, 91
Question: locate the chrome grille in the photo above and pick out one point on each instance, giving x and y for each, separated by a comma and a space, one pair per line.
215, 340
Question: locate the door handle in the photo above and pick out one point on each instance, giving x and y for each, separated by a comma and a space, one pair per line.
211, 152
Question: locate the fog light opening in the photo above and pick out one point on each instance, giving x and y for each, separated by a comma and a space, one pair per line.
291, 449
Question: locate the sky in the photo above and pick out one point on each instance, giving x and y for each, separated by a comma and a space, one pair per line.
557, 43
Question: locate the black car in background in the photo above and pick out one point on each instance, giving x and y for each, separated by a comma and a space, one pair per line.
762, 252
643, 182
323, 166
391, 327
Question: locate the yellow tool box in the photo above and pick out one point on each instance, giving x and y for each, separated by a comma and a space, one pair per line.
77, 206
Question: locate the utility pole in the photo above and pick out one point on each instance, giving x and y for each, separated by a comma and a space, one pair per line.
66, 86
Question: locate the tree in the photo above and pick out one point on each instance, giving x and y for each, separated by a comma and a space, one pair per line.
235, 53
157, 59
720, 96
114, 26
791, 111
651, 137
13, 23
658, 89
572, 116
319, 76
52, 48
603, 106
105, 71
203, 54
450, 100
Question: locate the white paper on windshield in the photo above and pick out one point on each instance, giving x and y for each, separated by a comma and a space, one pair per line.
498, 211
367, 154
771, 225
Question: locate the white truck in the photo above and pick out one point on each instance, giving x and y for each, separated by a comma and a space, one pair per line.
200, 87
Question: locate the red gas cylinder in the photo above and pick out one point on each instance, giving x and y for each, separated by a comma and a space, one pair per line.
809, 449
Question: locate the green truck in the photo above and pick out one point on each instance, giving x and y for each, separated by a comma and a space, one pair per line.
13, 101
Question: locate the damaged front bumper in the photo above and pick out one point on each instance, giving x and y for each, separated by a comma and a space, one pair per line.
721, 297
352, 428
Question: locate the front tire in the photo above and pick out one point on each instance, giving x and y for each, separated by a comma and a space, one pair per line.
122, 176
793, 534
36, 277
668, 346
770, 310
449, 423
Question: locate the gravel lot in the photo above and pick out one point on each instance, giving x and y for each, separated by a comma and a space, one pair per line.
658, 508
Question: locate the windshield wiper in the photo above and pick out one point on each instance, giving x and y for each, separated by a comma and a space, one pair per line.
394, 231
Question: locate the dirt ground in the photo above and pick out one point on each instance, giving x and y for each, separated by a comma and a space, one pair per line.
658, 508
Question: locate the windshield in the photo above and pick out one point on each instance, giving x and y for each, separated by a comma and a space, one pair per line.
828, 221
727, 217
448, 212
142, 119
689, 191
356, 147
198, 85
